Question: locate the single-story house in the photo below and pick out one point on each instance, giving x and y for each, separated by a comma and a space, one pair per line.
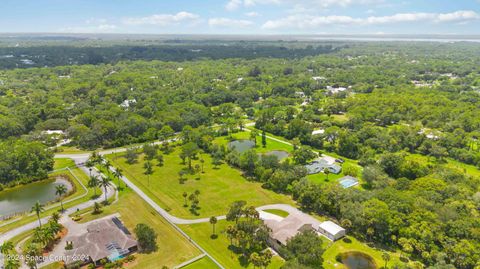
331, 230
104, 239
283, 229
288, 227
320, 164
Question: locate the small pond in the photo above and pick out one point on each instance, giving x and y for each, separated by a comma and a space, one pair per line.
357, 260
280, 154
241, 145
21, 199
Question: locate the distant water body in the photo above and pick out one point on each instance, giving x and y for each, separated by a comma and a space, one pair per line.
380, 38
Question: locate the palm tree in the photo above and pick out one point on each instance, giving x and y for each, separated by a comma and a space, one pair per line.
12, 264
38, 208
386, 258
105, 183
93, 183
6, 247
185, 199
55, 217
326, 172
61, 190
148, 170
203, 162
118, 174
89, 165
96, 208
253, 137
213, 221
107, 164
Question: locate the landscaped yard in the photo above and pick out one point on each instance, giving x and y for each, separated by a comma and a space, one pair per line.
218, 247
173, 248
351, 244
277, 212
61, 163
218, 187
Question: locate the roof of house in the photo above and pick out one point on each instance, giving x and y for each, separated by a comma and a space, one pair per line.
330, 227
100, 234
328, 159
290, 226
319, 131
318, 165
335, 168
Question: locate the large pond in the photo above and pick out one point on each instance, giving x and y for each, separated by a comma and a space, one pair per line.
357, 260
280, 154
22, 198
241, 145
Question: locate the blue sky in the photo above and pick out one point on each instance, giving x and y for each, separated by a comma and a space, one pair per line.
242, 16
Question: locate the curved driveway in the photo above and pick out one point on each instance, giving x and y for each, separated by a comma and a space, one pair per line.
81, 158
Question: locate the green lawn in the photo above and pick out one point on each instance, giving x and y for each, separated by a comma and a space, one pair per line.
63, 163
218, 247
468, 169
203, 263
173, 248
218, 187
70, 150
321, 178
277, 212
352, 244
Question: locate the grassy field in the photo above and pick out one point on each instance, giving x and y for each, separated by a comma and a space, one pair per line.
218, 187
70, 150
351, 244
80, 192
470, 170
277, 212
203, 263
173, 248
63, 163
218, 247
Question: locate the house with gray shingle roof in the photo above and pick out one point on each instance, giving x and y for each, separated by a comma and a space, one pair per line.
105, 239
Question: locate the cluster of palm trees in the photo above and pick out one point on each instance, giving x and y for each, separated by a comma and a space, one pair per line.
43, 237
7, 249
102, 181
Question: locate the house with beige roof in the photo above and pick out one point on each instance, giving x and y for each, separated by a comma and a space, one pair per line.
282, 229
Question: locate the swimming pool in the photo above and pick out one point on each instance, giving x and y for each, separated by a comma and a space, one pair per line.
348, 182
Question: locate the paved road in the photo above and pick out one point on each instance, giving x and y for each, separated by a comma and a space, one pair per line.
32, 225
83, 157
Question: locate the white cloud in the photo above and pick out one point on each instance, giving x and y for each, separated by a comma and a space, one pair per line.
233, 4
461, 15
300, 21
307, 4
163, 19
252, 14
226, 22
